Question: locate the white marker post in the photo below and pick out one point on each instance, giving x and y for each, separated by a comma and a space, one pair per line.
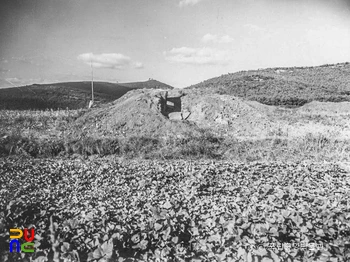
92, 84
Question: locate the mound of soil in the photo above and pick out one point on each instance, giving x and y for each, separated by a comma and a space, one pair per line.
326, 108
138, 113
160, 113
226, 114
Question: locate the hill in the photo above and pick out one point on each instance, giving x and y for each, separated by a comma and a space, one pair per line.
73, 95
150, 84
290, 86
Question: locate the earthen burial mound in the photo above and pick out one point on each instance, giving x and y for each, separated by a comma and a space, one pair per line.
162, 113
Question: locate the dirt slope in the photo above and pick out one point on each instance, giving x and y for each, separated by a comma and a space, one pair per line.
137, 113
226, 114
140, 113
326, 108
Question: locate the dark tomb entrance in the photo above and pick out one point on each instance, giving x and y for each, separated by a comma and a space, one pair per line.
173, 104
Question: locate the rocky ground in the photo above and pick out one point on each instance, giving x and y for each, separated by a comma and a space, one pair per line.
176, 210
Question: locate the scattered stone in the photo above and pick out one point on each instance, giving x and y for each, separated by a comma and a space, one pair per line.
175, 116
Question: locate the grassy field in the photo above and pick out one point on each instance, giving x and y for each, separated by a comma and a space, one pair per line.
300, 135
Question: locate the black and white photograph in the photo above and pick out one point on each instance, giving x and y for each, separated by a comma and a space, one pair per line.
174, 130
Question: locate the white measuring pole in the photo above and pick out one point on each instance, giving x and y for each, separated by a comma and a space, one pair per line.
92, 84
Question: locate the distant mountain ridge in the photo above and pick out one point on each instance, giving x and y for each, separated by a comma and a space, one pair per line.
72, 95
286, 86
150, 84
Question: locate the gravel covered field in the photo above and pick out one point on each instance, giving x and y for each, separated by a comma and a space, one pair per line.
176, 211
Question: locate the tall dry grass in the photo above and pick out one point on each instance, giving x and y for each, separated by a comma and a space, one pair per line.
50, 134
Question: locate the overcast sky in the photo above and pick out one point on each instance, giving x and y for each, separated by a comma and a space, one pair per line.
179, 42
